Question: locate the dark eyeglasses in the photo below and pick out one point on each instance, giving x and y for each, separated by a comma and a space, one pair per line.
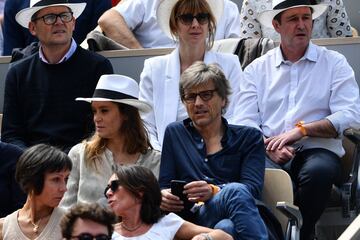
88, 236
114, 185
204, 95
50, 19
188, 18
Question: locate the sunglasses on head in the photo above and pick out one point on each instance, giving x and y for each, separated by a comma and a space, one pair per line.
188, 18
88, 236
114, 185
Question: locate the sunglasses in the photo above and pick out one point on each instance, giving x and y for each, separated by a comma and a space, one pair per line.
204, 95
188, 18
88, 236
114, 185
50, 19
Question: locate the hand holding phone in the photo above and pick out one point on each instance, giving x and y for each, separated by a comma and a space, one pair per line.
177, 189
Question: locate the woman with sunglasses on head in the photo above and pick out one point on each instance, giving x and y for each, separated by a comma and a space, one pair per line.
133, 194
120, 139
42, 172
192, 23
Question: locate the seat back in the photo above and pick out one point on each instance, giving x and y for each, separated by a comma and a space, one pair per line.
277, 188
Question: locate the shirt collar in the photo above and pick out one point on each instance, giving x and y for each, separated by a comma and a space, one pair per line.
310, 55
69, 53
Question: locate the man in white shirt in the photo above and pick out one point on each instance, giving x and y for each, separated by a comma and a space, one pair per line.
133, 24
302, 97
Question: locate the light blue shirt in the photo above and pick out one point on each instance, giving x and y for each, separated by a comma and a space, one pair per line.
69, 53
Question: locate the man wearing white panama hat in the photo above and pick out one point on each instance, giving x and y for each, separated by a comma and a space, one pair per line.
302, 97
39, 104
133, 23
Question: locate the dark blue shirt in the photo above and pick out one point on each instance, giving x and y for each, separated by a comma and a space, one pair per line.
241, 159
16, 36
11, 195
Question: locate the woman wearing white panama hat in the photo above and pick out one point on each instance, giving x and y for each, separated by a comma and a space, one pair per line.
192, 23
120, 139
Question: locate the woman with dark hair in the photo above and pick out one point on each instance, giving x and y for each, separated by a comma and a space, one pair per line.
134, 195
120, 139
192, 23
42, 172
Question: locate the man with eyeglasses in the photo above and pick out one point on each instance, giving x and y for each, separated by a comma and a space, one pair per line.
222, 164
18, 36
40, 91
133, 23
88, 222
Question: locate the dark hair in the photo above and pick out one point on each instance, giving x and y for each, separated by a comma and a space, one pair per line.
93, 212
142, 183
135, 135
193, 6
201, 73
35, 162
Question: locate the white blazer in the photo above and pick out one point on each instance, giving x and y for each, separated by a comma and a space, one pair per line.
159, 86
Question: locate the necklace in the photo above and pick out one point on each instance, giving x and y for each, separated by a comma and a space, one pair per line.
122, 224
36, 225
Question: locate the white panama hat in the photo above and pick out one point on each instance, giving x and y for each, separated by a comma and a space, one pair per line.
165, 7
279, 6
23, 17
120, 89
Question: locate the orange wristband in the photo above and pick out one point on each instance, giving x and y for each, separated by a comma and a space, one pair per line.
214, 189
300, 125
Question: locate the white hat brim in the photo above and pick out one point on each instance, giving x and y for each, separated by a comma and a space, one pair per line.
141, 105
165, 7
23, 17
266, 17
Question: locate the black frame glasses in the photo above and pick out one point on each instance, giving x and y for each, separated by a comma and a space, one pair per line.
114, 185
88, 236
188, 18
50, 19
204, 95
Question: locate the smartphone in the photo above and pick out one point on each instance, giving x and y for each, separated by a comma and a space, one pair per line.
177, 188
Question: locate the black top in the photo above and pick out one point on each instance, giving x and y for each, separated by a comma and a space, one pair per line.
11, 196
39, 102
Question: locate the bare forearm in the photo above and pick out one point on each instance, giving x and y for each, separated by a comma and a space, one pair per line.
322, 128
115, 27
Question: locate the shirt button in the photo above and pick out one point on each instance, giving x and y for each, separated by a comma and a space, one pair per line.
202, 140
206, 160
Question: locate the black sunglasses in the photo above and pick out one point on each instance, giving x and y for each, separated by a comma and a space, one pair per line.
114, 185
50, 19
188, 18
88, 236
204, 95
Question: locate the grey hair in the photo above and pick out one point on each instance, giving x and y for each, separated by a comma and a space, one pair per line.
200, 73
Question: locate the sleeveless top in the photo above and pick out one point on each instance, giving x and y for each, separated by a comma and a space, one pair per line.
12, 231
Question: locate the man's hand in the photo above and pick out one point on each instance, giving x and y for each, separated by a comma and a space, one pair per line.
198, 191
281, 156
279, 141
170, 202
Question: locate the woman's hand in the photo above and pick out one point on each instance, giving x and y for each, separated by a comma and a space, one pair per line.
170, 202
198, 191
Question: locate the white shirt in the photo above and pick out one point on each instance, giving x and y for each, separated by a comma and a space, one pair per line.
165, 229
140, 17
275, 94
